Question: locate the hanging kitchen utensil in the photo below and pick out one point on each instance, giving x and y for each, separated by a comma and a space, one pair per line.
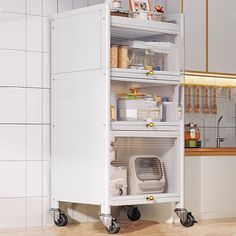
230, 93
214, 106
189, 108
197, 101
206, 107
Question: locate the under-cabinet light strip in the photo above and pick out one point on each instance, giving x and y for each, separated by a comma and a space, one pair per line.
210, 74
209, 81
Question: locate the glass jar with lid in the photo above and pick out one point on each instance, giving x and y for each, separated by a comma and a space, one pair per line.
192, 132
116, 4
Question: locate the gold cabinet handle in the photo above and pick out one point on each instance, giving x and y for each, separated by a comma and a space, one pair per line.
150, 124
150, 73
150, 198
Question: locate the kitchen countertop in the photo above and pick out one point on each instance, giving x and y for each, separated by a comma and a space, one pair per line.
210, 151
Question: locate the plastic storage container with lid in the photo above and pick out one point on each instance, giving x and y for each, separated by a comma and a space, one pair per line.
138, 110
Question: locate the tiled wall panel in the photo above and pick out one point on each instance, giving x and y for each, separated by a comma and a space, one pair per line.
25, 114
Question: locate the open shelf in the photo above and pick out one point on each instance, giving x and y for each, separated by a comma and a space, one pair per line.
133, 28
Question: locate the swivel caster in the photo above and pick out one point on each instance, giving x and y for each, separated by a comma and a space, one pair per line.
60, 218
133, 214
110, 223
114, 228
186, 217
189, 222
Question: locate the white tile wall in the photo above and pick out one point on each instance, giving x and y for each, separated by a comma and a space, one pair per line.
34, 211
34, 178
46, 106
17, 208
24, 138
34, 7
46, 142
49, 7
12, 76
34, 69
12, 142
46, 177
34, 142
12, 179
46, 34
13, 31
47, 215
17, 6
12, 105
34, 33
34, 105
46, 70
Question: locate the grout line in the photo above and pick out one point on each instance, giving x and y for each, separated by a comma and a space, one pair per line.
24, 160
26, 74
42, 78
26, 124
22, 87
22, 50
20, 13
20, 197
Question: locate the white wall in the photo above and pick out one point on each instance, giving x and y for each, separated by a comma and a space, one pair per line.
25, 112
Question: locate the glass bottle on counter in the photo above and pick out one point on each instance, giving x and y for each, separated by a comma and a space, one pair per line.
192, 132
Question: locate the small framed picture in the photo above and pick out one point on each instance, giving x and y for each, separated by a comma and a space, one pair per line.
140, 5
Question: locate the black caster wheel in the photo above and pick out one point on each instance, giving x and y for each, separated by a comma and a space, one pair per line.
62, 220
114, 228
134, 214
189, 222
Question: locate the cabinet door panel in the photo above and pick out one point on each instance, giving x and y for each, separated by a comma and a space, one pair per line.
222, 36
195, 35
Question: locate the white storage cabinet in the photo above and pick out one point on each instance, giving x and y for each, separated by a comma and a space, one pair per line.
93, 156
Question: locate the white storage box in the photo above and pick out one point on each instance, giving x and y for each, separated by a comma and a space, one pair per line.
138, 110
146, 174
170, 111
118, 181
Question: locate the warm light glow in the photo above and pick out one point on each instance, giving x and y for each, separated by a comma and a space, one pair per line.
212, 81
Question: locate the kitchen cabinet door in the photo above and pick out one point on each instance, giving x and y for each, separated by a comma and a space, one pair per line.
195, 35
222, 36
209, 191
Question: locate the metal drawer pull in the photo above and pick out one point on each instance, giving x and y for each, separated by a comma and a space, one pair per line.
150, 73
150, 198
150, 124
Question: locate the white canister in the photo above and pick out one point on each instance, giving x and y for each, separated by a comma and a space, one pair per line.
170, 111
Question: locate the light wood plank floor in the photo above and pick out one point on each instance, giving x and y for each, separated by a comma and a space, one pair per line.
141, 228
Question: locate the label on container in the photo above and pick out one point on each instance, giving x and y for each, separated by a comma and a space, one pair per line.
192, 133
